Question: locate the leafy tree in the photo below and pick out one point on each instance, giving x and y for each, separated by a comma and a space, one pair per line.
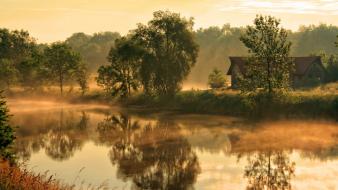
8, 73
82, 76
313, 39
121, 76
217, 79
171, 52
32, 72
62, 63
269, 65
6, 131
15, 47
93, 48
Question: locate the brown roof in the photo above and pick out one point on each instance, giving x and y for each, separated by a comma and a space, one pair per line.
301, 63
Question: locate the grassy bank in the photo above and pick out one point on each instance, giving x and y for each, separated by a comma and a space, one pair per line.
230, 103
321, 101
21, 179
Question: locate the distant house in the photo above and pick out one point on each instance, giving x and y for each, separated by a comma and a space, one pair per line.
309, 71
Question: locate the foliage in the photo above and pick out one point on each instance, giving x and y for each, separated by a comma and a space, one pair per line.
217, 79
6, 131
8, 73
313, 39
32, 72
269, 65
93, 48
330, 62
82, 76
216, 44
62, 64
261, 105
121, 76
171, 52
15, 47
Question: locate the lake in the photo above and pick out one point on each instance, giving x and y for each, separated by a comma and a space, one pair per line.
113, 148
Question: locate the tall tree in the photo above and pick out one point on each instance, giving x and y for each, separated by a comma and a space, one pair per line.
6, 131
62, 63
269, 65
171, 51
121, 76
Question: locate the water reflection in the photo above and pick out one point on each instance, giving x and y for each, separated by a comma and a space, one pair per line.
153, 156
167, 151
59, 134
271, 170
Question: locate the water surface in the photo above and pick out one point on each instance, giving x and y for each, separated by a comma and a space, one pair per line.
93, 145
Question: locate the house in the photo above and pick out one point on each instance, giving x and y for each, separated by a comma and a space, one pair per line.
309, 71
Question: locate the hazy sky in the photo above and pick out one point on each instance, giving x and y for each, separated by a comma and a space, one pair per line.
51, 20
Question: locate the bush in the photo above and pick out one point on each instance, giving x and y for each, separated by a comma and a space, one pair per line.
216, 79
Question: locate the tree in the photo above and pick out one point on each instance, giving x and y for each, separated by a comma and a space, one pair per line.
93, 48
269, 65
82, 78
32, 71
8, 73
121, 76
62, 63
6, 131
217, 79
171, 52
15, 48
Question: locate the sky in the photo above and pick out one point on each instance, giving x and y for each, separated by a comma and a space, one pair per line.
53, 20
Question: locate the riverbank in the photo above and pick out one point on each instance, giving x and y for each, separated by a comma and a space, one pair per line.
294, 104
317, 102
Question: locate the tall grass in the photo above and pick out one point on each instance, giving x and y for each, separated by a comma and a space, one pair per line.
21, 179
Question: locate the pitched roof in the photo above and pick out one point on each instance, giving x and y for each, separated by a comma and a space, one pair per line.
302, 64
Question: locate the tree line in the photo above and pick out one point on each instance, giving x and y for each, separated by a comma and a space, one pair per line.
30, 65
156, 57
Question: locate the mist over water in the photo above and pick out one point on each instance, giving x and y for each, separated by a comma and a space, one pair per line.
94, 144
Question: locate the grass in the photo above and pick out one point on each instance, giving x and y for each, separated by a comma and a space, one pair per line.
21, 179
320, 101
13, 177
309, 103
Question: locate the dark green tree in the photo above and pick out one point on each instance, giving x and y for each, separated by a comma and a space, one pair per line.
269, 65
217, 79
171, 52
62, 63
6, 131
121, 76
15, 48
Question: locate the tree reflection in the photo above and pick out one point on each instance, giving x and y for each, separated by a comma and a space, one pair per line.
61, 136
271, 170
153, 156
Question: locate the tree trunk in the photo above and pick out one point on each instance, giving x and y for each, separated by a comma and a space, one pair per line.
61, 84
